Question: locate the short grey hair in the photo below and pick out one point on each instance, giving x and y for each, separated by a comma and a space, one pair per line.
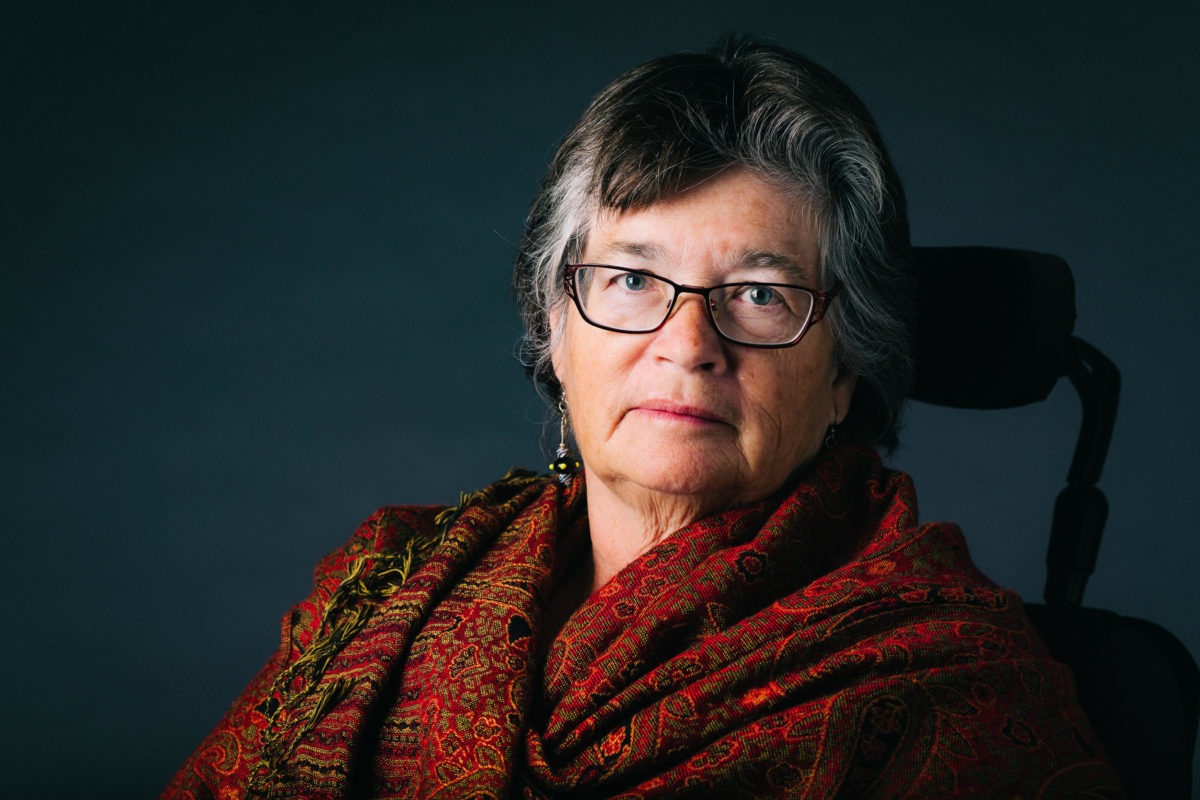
666, 125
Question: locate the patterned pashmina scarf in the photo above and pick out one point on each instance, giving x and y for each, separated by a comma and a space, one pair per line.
817, 644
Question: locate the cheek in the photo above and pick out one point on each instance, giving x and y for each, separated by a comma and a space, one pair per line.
800, 406
567, 352
590, 376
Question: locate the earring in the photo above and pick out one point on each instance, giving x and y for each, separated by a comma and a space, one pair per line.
831, 436
565, 463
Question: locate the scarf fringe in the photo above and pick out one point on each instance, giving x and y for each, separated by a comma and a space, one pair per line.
373, 578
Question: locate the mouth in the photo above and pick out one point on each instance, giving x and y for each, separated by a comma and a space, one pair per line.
685, 413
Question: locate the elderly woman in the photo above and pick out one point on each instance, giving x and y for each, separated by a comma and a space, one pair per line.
726, 594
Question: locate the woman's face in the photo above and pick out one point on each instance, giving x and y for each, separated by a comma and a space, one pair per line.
680, 411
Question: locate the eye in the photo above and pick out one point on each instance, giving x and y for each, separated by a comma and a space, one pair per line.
633, 281
760, 295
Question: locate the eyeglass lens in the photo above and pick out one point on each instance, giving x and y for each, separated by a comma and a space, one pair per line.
636, 302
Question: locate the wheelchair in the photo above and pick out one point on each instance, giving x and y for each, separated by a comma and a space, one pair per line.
1137, 683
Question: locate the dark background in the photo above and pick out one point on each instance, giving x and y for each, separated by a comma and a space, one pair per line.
254, 284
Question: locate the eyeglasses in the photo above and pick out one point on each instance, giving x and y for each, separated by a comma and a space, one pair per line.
637, 301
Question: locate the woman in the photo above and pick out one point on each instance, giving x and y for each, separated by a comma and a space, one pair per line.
731, 597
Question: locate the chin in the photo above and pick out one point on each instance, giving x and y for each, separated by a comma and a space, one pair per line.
715, 478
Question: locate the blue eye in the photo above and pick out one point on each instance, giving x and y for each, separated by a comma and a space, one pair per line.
760, 295
634, 282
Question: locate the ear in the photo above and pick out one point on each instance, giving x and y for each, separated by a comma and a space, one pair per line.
558, 358
841, 391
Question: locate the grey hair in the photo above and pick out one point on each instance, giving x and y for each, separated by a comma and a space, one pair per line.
666, 125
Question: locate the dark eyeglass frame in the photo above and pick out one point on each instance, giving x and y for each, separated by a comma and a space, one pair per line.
821, 301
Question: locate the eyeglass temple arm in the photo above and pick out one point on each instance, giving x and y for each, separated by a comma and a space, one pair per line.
823, 301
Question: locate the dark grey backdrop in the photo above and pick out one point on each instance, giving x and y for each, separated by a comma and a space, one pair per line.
255, 266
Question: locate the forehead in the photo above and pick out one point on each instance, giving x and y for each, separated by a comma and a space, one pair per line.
732, 220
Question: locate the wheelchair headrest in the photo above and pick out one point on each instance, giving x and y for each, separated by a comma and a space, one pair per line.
993, 326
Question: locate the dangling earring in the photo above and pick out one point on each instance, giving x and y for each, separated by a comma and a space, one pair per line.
565, 463
831, 436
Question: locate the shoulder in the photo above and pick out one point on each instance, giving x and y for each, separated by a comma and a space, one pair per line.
389, 529
913, 582
395, 529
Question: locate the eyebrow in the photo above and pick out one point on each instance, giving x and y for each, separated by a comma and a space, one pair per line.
642, 250
794, 271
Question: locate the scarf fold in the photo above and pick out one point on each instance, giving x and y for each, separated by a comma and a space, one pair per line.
815, 644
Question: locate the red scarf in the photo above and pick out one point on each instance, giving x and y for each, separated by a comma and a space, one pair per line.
816, 644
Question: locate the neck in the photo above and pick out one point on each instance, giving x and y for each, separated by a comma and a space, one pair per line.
623, 524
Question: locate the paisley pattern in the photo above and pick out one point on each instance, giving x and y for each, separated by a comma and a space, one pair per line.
816, 644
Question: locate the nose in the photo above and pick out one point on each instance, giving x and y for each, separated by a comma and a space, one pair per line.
688, 338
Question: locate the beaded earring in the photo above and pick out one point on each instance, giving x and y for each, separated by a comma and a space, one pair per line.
565, 463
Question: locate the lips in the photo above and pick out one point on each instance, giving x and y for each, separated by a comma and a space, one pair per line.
682, 412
